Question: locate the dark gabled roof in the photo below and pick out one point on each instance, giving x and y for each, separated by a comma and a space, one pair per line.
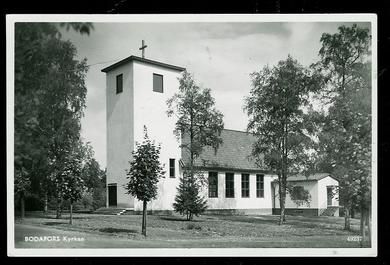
233, 154
143, 60
312, 177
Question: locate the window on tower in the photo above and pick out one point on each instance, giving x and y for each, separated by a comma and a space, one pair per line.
158, 83
119, 83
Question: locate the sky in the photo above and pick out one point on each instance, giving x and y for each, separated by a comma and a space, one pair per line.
221, 56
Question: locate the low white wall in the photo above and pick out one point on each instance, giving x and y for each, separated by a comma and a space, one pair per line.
311, 186
322, 192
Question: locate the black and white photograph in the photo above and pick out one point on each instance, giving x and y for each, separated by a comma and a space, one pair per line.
175, 135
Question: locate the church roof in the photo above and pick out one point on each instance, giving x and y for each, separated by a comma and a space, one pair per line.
233, 154
143, 60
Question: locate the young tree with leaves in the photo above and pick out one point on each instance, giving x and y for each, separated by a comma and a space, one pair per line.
276, 117
199, 124
345, 127
144, 174
72, 184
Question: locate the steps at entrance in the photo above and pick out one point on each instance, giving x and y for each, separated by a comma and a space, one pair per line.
112, 211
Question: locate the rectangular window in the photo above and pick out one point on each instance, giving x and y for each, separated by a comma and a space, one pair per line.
158, 83
172, 167
229, 183
119, 83
245, 185
213, 184
259, 186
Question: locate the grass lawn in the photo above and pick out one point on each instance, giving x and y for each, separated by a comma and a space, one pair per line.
205, 231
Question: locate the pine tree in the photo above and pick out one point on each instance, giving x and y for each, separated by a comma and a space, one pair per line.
188, 201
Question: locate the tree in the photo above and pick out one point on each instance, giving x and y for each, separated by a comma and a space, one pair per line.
39, 71
199, 124
94, 180
71, 184
299, 195
277, 119
345, 127
188, 201
22, 186
91, 172
144, 173
99, 192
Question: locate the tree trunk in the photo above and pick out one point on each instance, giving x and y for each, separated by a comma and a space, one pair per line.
281, 202
362, 227
347, 223
369, 226
144, 219
70, 213
282, 217
22, 205
58, 210
352, 212
45, 203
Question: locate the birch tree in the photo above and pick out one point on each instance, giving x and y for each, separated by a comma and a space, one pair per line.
199, 124
345, 128
276, 118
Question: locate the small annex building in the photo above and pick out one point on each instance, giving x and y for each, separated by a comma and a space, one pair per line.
322, 191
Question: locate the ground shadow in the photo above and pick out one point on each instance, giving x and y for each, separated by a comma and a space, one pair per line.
250, 219
54, 223
117, 230
175, 218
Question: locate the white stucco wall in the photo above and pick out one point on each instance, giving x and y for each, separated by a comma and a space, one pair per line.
322, 192
251, 203
119, 131
311, 186
150, 109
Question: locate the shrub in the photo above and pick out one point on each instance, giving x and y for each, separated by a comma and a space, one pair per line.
193, 226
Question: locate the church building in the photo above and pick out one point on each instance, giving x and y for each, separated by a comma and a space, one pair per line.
136, 93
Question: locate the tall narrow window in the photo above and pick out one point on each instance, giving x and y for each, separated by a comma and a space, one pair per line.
229, 183
158, 83
244, 185
172, 167
259, 186
213, 184
119, 83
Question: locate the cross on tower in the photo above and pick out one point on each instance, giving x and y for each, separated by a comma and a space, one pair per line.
143, 48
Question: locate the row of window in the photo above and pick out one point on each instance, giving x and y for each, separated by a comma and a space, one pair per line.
157, 83
229, 185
